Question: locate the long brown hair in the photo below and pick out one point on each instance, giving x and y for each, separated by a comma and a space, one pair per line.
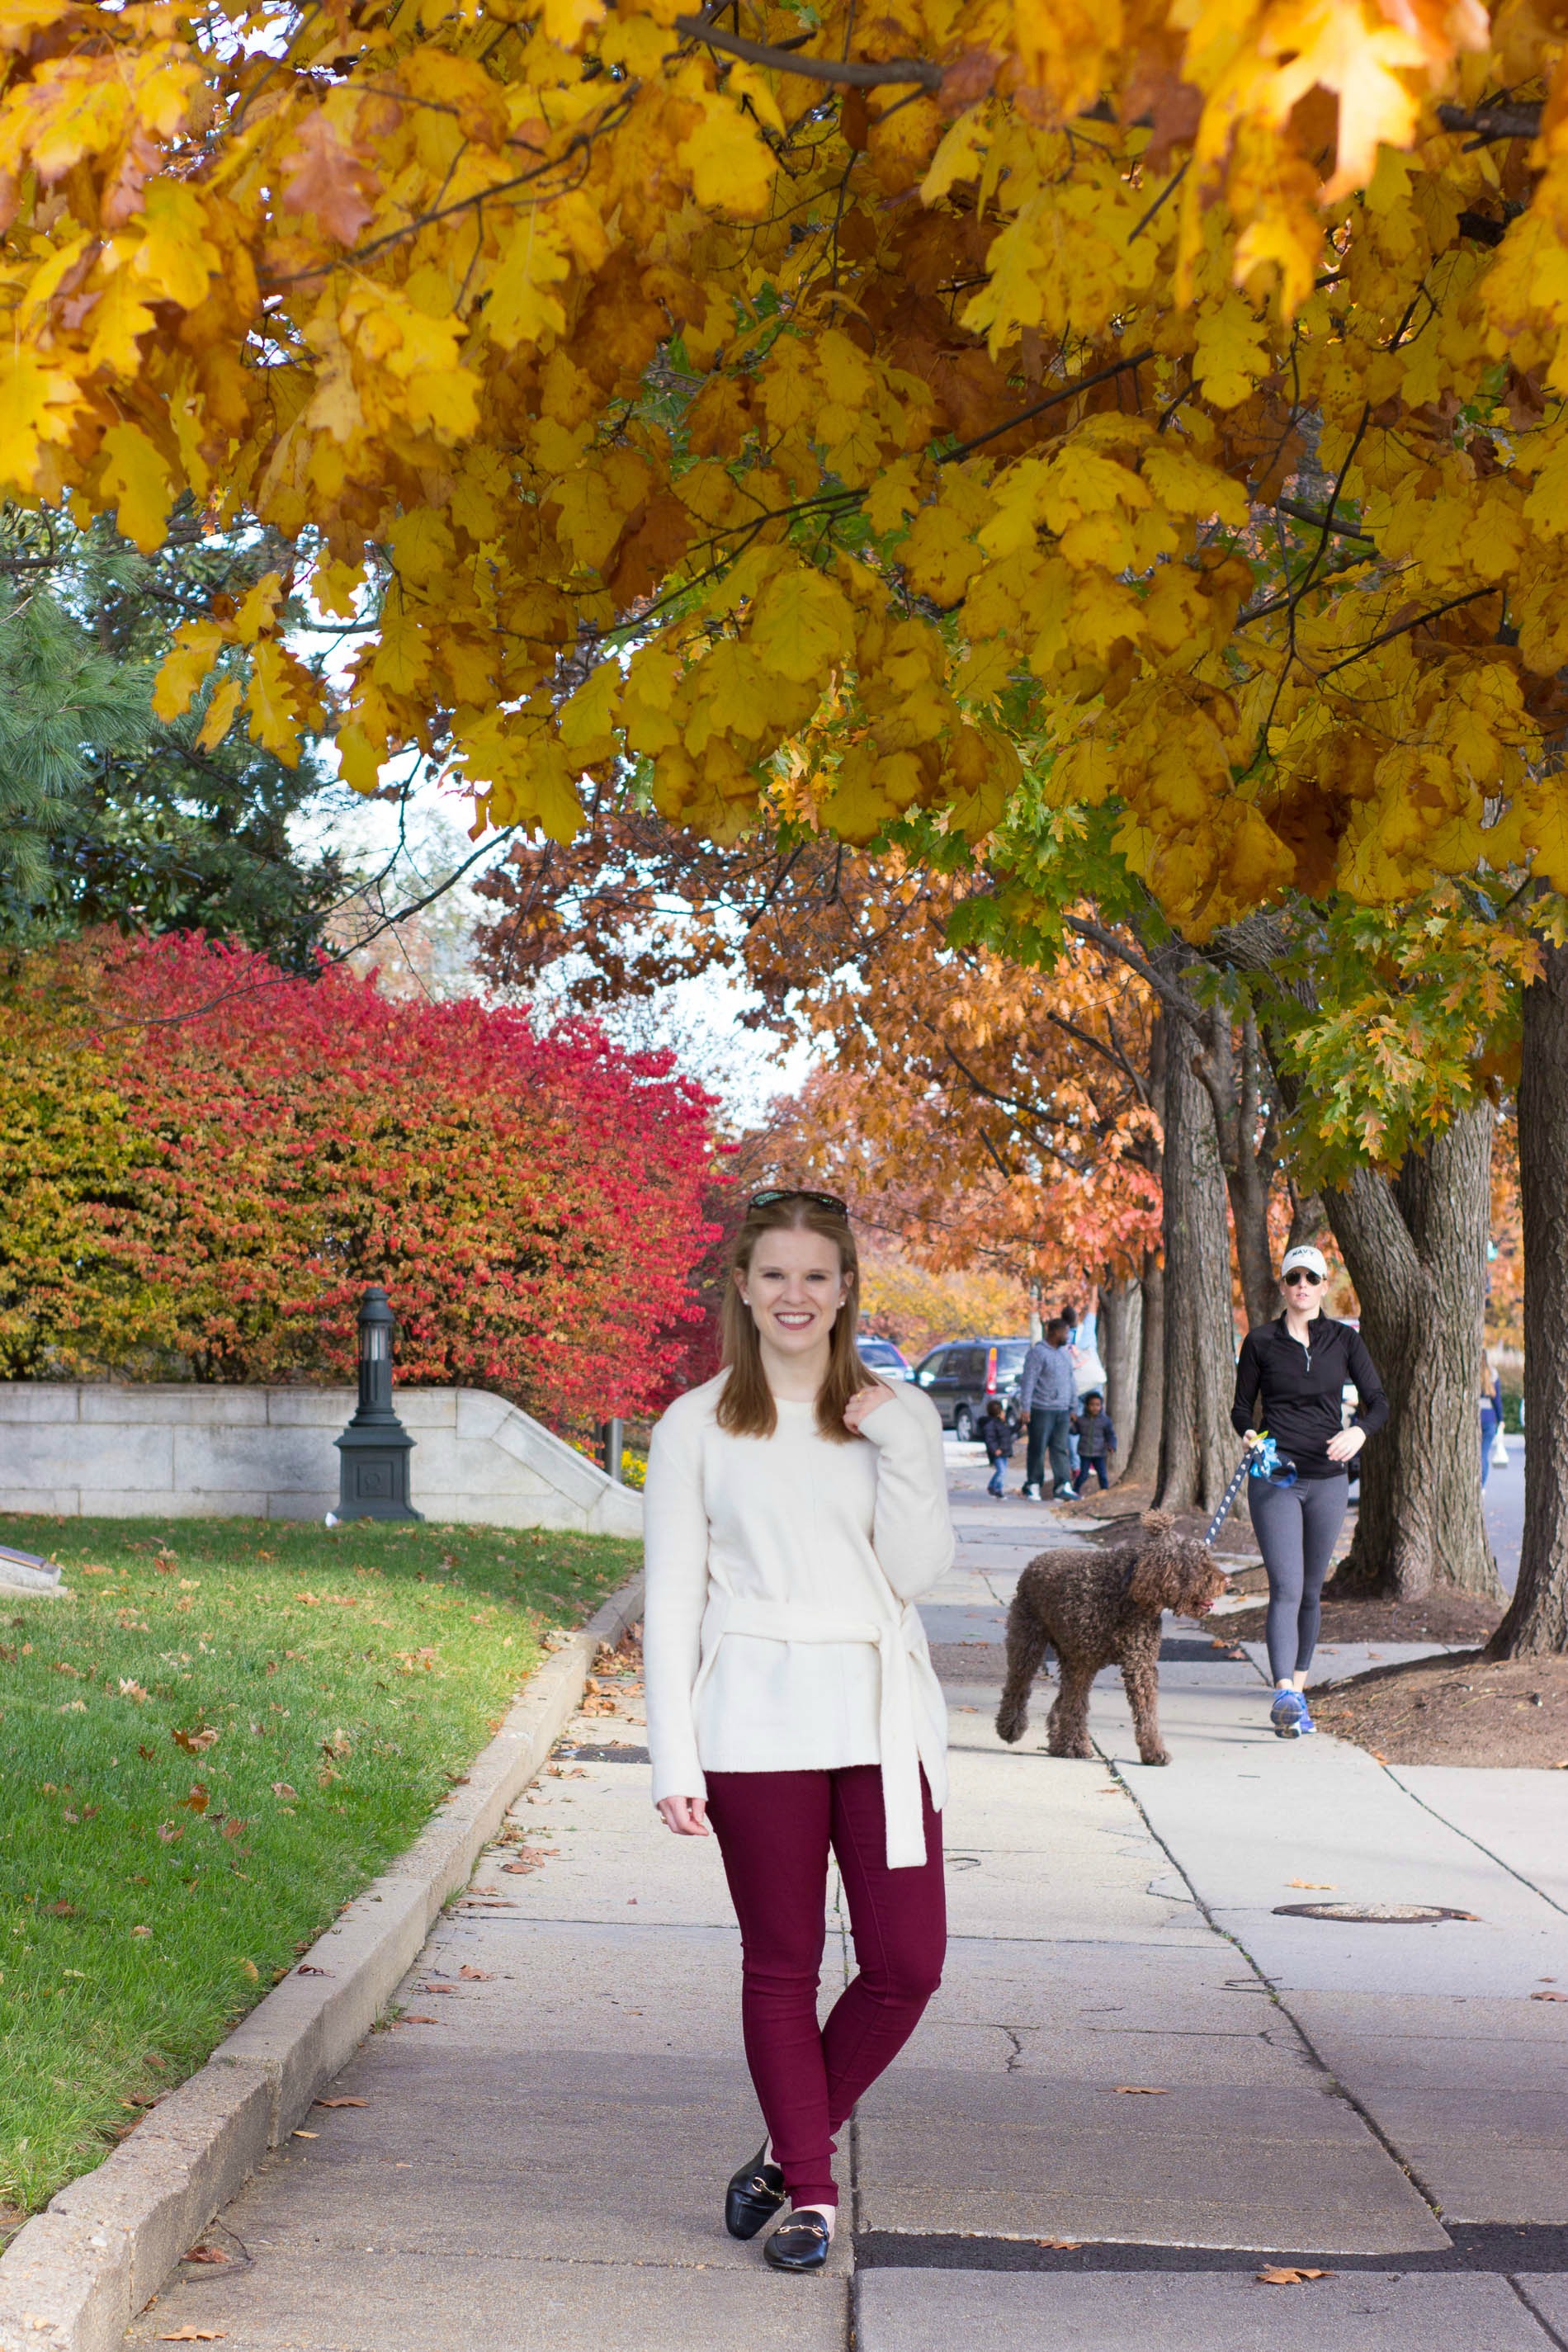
745, 1401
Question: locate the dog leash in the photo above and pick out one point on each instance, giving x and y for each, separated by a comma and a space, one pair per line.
1271, 1452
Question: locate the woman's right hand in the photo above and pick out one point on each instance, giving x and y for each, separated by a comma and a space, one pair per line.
686, 1816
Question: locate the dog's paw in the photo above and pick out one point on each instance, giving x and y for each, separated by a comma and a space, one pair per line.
1011, 1728
1159, 1756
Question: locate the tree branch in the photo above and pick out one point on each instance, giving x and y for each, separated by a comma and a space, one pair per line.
1051, 400
1492, 123
853, 73
1175, 1000
1415, 621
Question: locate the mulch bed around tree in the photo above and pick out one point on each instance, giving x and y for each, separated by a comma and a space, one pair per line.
1441, 1617
1464, 1709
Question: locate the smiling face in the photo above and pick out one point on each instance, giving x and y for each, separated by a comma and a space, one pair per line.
794, 1288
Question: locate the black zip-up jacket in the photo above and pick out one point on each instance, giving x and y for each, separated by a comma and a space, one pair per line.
1293, 1391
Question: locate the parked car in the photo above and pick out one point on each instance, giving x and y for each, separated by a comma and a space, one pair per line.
963, 1376
881, 1355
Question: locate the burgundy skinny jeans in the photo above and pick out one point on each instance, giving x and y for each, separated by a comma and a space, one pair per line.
775, 1832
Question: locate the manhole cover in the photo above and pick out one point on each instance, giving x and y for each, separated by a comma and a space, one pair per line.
1372, 1915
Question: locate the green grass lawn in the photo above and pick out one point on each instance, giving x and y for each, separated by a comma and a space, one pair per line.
205, 1750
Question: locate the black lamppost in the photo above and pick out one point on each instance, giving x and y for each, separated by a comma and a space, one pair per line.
374, 1450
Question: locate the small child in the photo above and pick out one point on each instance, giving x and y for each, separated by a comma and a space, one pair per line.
997, 1440
1096, 1440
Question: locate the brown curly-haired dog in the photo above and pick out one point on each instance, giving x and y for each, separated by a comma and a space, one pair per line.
1098, 1608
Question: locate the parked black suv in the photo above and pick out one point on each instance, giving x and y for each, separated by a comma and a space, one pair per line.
963, 1376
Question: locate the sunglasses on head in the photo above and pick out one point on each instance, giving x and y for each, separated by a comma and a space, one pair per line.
798, 1192
1302, 1274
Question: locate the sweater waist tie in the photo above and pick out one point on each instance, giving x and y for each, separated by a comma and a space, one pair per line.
899, 1642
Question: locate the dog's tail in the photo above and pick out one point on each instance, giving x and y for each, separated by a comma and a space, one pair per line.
1027, 1641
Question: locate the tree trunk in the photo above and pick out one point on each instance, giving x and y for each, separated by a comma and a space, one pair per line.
1308, 1219
1141, 1454
1120, 1325
1249, 1150
1538, 1620
1197, 1442
1416, 1250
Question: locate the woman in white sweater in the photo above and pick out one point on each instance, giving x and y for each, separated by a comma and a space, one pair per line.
794, 1507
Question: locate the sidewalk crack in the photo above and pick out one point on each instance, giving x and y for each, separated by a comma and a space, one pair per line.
1392, 1773
1228, 1936
1539, 2316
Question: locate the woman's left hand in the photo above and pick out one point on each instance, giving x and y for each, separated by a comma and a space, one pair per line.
1346, 1445
866, 1402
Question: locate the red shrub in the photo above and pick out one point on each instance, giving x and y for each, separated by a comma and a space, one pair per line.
533, 1202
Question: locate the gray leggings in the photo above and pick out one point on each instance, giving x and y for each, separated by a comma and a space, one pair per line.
1296, 1527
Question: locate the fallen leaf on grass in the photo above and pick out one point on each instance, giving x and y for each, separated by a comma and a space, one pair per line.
168, 1833
1142, 2090
1322, 1885
1548, 1996
141, 1931
280, 1788
341, 2103
193, 1742
193, 2335
1286, 2275
196, 1802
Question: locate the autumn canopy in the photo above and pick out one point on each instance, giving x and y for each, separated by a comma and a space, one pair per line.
821, 401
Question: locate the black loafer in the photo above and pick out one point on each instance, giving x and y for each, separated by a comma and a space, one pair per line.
753, 2197
800, 2244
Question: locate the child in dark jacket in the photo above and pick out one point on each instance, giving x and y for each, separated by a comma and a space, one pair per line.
1096, 1434
997, 1440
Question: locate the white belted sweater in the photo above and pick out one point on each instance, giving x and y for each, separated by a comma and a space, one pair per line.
778, 1634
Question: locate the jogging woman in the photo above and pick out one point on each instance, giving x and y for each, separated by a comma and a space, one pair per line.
1289, 1381
794, 1507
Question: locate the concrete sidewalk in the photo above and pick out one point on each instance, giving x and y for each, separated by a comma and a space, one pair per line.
1134, 2054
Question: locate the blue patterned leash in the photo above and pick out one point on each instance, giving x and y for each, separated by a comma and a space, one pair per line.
1260, 1461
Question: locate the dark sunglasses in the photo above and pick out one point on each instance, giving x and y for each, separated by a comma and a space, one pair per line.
1301, 1274
798, 1192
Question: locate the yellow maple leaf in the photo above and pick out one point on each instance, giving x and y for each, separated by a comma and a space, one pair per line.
196, 645
120, 316
421, 545
360, 760
802, 625
220, 714
567, 21
855, 807
1231, 353
174, 260
36, 405
274, 718
258, 608
136, 476
728, 165
940, 555
522, 308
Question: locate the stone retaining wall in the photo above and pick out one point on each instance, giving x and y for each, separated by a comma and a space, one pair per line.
160, 1450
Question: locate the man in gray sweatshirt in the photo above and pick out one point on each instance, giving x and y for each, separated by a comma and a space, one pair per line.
1045, 1406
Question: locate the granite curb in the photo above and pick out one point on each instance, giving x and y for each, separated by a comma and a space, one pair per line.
75, 2276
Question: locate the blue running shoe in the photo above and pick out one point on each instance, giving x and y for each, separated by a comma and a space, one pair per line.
1288, 1716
